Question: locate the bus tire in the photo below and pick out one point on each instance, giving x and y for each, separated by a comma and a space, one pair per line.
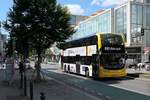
68, 69
87, 73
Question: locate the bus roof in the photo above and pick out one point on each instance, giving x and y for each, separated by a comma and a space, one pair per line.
79, 41
91, 36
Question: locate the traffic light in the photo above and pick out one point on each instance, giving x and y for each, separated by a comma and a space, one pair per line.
142, 31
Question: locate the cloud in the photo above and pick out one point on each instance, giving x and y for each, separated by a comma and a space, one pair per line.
95, 2
107, 3
75, 9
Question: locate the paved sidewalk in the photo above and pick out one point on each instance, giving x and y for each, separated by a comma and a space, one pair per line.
132, 70
56, 90
12, 91
53, 89
142, 73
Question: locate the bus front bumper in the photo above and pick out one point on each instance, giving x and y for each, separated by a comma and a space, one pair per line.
112, 73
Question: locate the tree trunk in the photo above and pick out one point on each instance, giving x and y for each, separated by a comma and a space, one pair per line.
26, 50
38, 67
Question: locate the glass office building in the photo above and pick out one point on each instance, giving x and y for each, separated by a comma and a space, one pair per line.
121, 20
100, 22
139, 13
75, 19
127, 18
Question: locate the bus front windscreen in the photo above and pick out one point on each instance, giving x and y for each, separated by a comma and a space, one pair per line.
111, 39
112, 60
112, 43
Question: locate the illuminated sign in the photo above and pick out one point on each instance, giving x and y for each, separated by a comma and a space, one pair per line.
112, 48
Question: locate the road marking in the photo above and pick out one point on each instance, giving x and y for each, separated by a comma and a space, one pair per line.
130, 90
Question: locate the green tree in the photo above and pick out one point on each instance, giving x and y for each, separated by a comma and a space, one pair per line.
9, 47
39, 23
18, 24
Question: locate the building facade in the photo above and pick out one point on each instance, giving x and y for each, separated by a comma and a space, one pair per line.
76, 19
98, 22
127, 18
134, 15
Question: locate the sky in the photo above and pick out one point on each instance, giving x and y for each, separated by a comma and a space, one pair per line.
76, 7
4, 8
87, 7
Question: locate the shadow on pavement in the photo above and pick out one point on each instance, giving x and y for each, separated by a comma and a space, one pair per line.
134, 75
115, 80
51, 68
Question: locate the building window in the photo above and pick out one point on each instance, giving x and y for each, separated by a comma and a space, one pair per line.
136, 21
136, 17
121, 22
100, 23
148, 16
147, 1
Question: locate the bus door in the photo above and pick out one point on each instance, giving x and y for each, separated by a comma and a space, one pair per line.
95, 67
78, 64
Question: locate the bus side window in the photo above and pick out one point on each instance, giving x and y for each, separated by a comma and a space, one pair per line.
88, 60
77, 59
64, 59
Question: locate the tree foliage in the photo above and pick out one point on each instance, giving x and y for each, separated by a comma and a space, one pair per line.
9, 48
38, 24
17, 25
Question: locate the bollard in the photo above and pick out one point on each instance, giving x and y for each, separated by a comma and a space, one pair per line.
31, 90
25, 85
21, 80
42, 96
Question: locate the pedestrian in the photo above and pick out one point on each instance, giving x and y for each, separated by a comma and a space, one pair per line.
21, 66
21, 70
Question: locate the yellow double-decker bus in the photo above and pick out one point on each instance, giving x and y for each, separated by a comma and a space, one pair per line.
99, 55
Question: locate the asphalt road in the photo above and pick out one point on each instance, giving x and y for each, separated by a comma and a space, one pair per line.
116, 88
135, 85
